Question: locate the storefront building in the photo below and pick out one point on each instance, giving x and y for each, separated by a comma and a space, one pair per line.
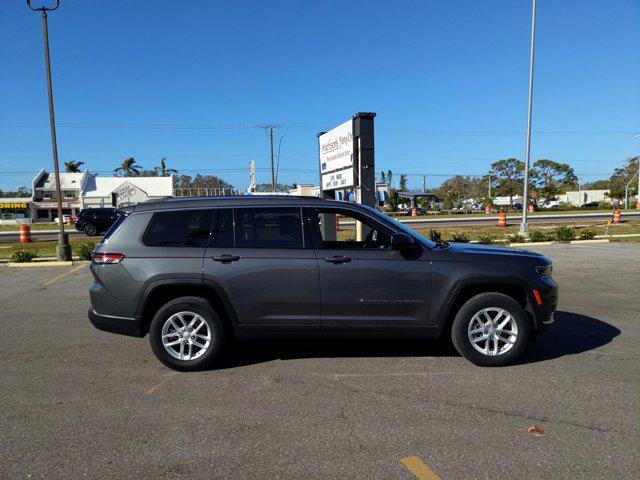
15, 210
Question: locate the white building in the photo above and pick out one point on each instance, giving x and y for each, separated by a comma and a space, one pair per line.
584, 196
120, 191
87, 190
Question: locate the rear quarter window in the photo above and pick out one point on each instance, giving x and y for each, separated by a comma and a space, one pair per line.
119, 221
180, 228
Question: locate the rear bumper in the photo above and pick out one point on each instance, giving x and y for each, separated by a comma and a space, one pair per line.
121, 325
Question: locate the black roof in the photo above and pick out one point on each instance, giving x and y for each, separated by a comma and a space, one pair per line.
232, 201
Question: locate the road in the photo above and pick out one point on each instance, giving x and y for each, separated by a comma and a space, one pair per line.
80, 403
42, 235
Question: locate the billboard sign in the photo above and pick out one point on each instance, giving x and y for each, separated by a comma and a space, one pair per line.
338, 180
336, 156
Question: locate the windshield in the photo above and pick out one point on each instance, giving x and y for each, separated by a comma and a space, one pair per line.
399, 226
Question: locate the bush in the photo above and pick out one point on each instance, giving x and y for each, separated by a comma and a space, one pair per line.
564, 233
516, 238
486, 239
587, 234
460, 238
85, 250
435, 235
537, 235
604, 205
22, 255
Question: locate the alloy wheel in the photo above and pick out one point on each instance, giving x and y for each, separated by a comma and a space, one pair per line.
492, 331
186, 335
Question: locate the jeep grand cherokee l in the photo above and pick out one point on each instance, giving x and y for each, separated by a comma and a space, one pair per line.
194, 272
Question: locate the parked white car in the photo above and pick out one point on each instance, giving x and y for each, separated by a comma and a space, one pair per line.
65, 219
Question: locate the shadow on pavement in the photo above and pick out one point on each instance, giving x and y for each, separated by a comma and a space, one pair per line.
247, 352
570, 334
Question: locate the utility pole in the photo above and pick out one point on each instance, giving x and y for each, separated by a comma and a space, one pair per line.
489, 185
273, 174
252, 176
63, 249
278, 161
424, 184
524, 228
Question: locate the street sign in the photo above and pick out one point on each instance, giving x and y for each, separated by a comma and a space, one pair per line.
336, 149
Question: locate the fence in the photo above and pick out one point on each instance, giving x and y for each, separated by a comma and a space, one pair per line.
205, 192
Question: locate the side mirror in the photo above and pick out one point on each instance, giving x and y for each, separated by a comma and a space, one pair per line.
402, 241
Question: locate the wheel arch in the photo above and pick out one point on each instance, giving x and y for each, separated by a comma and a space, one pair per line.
467, 289
161, 292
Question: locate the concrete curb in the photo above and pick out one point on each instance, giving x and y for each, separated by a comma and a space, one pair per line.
528, 244
602, 240
40, 264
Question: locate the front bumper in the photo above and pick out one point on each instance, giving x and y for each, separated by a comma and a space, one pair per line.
543, 311
121, 325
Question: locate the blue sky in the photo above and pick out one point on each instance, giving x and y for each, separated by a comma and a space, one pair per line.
447, 79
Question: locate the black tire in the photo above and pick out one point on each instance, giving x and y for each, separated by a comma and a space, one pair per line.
90, 229
196, 305
460, 329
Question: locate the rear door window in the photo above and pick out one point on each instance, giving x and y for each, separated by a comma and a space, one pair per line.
180, 228
269, 227
222, 229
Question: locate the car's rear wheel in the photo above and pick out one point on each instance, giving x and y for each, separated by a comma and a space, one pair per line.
90, 229
186, 334
491, 329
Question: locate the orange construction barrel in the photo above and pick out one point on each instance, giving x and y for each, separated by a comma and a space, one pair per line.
69, 220
25, 234
638, 205
616, 216
531, 209
502, 219
487, 209
414, 212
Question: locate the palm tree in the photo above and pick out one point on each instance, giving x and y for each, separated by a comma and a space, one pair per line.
163, 170
73, 167
129, 168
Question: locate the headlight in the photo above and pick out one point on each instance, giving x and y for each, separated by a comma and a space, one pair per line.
544, 270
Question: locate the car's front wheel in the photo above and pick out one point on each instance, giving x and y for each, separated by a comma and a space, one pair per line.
186, 334
491, 329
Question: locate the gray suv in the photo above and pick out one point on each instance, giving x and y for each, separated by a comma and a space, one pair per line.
193, 273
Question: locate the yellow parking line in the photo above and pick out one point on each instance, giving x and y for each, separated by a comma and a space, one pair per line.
156, 387
419, 469
55, 279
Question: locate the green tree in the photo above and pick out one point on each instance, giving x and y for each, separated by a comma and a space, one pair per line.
551, 178
596, 185
389, 178
383, 177
403, 183
510, 176
129, 168
73, 167
627, 174
163, 171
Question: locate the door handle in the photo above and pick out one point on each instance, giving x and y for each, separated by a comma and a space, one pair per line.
337, 259
226, 258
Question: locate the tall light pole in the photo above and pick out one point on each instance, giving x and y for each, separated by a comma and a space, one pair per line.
524, 228
278, 161
63, 250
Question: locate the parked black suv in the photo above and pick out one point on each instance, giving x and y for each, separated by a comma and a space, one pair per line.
193, 272
94, 221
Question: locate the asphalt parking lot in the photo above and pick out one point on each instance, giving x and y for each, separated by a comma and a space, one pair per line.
80, 403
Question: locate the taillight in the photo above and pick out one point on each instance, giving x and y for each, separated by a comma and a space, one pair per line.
107, 258
75, 219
